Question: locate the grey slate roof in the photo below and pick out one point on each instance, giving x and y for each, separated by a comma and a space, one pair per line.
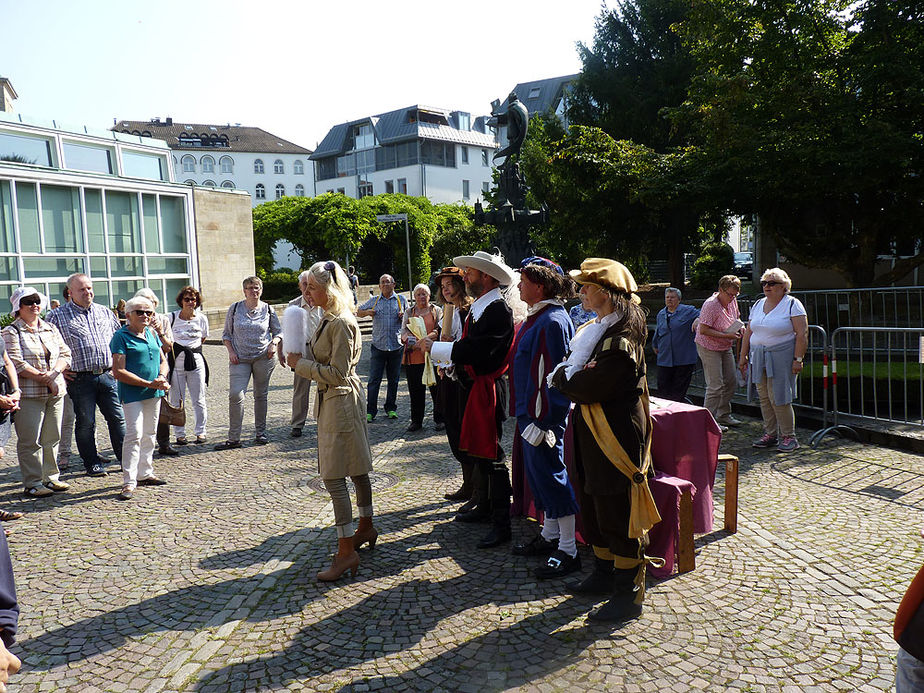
240, 138
397, 126
550, 92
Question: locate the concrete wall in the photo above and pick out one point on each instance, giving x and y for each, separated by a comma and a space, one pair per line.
224, 239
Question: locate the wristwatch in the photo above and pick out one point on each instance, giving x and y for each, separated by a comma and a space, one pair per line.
798, 358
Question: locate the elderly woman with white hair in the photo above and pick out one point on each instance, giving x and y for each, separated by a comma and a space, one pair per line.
426, 326
40, 356
775, 341
343, 443
160, 324
139, 364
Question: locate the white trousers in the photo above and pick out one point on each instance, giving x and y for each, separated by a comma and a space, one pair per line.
195, 380
140, 433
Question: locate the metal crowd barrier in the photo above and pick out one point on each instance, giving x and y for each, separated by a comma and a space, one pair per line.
881, 376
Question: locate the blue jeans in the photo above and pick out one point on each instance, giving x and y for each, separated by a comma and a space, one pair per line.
88, 391
388, 362
909, 673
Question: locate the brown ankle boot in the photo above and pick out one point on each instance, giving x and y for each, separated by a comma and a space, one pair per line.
365, 533
346, 559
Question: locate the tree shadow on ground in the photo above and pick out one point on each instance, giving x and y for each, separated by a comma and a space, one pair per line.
279, 593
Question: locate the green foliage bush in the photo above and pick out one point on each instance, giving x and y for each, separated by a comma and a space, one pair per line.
715, 261
280, 286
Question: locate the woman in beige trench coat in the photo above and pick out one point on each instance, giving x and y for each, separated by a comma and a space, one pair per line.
343, 445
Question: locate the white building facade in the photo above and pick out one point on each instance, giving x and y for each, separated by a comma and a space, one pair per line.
445, 156
231, 156
102, 203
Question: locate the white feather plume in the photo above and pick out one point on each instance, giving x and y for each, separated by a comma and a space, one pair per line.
295, 330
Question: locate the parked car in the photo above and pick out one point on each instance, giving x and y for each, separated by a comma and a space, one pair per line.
744, 265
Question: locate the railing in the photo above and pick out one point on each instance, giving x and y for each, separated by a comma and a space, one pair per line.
901, 306
881, 375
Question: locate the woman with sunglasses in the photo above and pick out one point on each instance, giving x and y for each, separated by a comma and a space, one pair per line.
716, 334
40, 356
343, 443
775, 342
139, 364
189, 367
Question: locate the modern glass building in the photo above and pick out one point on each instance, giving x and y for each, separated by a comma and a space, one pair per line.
102, 203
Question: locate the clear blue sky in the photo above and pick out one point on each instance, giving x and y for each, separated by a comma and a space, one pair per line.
292, 67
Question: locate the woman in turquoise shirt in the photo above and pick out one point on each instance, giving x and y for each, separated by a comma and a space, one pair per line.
140, 367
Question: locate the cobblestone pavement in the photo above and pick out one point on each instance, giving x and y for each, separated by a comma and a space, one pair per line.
207, 584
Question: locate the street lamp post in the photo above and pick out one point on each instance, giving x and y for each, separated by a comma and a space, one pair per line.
407, 238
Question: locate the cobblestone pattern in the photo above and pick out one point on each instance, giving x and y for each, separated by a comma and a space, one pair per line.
207, 584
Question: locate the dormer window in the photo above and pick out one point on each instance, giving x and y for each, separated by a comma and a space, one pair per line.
534, 93
363, 137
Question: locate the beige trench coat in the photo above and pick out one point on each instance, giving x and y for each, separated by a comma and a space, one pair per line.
340, 408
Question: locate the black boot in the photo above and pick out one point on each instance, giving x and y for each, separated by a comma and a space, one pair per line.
599, 582
465, 491
621, 607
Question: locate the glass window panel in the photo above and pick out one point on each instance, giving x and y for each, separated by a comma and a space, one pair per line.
6, 290
98, 267
173, 218
27, 201
85, 158
9, 269
55, 290
126, 266
101, 293
151, 237
35, 267
61, 219
6, 218
124, 289
138, 165
173, 288
25, 150
123, 223
167, 265
157, 286
95, 233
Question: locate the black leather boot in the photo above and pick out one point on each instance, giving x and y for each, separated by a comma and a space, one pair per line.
600, 582
621, 607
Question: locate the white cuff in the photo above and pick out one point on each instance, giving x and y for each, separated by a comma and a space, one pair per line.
441, 354
534, 435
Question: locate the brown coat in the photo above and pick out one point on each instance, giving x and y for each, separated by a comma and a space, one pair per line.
343, 443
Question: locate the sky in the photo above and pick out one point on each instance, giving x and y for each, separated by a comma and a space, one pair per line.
294, 68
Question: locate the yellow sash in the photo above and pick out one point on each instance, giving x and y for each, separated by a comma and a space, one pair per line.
417, 327
644, 513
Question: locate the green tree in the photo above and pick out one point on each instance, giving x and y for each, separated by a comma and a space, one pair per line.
809, 114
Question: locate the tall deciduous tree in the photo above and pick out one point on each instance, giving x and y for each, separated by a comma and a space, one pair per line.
811, 114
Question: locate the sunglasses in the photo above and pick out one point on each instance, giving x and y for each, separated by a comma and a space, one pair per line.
31, 301
143, 312
770, 283
189, 299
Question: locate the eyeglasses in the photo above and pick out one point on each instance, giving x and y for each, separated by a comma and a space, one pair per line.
769, 283
143, 312
189, 299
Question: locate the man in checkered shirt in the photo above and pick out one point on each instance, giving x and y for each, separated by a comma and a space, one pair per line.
87, 328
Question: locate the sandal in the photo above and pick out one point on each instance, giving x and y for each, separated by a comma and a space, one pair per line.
228, 445
7, 516
181, 440
37, 492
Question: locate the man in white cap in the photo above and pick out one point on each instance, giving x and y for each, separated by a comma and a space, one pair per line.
480, 358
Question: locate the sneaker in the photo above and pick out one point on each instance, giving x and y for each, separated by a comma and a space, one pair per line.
96, 470
788, 444
767, 440
558, 565
730, 421
392, 414
56, 486
369, 418
37, 492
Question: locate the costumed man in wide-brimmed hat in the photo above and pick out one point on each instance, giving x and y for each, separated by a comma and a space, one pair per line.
480, 357
605, 376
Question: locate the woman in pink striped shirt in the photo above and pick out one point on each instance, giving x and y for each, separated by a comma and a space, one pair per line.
714, 345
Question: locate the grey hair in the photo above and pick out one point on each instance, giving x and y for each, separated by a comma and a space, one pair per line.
777, 274
303, 277
673, 290
148, 294
421, 286
136, 302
